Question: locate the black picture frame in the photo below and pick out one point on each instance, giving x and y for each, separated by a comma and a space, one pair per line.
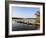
7, 18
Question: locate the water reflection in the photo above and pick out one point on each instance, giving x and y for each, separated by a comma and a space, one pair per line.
19, 26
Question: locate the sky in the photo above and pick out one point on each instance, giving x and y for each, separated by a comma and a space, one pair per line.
24, 12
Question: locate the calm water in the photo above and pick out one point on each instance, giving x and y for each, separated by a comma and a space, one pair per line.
19, 26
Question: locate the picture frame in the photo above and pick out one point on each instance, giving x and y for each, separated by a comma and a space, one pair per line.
8, 25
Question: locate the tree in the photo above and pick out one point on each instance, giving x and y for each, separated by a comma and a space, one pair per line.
37, 20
